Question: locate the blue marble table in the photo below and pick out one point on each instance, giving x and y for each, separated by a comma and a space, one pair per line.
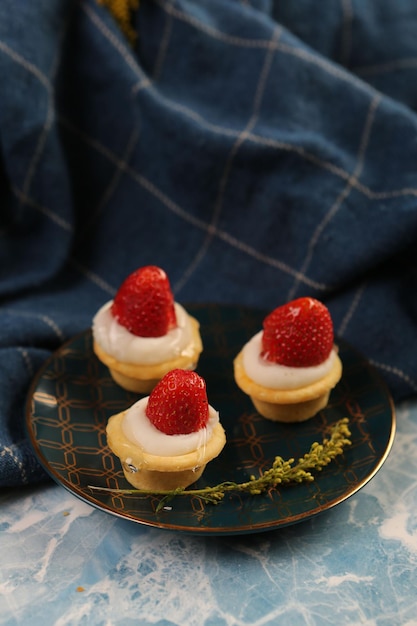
64, 562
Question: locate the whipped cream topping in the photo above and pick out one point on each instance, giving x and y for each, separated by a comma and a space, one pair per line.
140, 431
276, 376
123, 345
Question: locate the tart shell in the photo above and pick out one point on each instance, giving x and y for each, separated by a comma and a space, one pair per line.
159, 473
288, 405
142, 378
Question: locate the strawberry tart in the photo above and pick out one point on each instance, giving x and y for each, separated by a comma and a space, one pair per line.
142, 334
165, 440
289, 368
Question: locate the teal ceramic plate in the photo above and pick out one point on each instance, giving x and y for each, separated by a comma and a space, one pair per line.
73, 396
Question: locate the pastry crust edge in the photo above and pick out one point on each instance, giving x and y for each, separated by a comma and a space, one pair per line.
142, 378
122, 447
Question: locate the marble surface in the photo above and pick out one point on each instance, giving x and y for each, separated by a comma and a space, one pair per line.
64, 562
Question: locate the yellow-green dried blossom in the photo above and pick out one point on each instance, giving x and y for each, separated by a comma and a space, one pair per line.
122, 11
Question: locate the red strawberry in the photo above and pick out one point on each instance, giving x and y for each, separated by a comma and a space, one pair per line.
178, 404
144, 303
298, 334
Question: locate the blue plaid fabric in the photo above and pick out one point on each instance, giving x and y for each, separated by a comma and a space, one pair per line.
258, 151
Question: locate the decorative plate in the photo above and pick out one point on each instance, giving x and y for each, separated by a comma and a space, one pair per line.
73, 396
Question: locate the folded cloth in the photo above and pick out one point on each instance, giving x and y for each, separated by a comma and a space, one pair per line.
257, 151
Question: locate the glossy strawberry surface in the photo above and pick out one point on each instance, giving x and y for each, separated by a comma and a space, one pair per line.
144, 303
298, 334
178, 404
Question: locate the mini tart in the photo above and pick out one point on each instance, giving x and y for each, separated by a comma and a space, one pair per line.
288, 405
161, 473
143, 378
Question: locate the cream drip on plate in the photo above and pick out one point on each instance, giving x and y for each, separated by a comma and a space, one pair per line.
276, 376
124, 346
140, 431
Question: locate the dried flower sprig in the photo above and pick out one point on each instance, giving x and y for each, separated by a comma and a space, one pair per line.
122, 11
281, 473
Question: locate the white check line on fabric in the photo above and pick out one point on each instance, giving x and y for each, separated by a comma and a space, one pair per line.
32, 69
342, 196
46, 82
22, 194
144, 83
141, 180
308, 57
333, 169
38, 148
383, 195
161, 56
39, 207
93, 277
109, 189
50, 116
44, 318
260, 89
129, 59
119, 44
257, 139
240, 42
300, 150
250, 137
351, 310
27, 361
180, 212
304, 54
396, 372
272, 262
388, 66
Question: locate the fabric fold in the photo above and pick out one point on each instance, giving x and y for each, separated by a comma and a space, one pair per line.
256, 151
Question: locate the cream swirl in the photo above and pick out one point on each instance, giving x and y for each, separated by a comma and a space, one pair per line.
140, 431
124, 346
276, 376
